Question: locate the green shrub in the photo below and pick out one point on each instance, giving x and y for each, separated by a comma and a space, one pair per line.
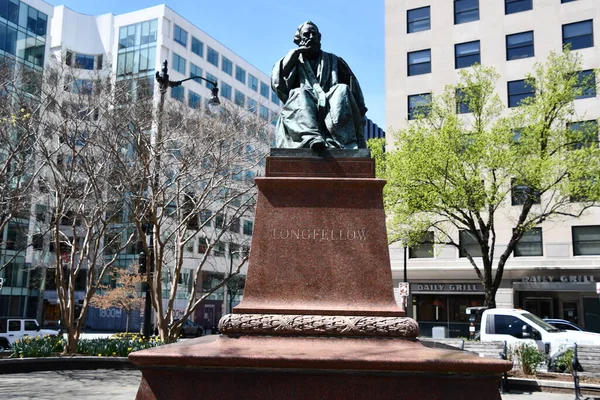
117, 346
564, 362
530, 358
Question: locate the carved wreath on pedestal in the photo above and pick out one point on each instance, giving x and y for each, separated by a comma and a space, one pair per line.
324, 325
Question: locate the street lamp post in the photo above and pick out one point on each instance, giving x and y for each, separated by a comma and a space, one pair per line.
162, 78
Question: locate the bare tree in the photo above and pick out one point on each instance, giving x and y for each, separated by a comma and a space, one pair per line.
190, 183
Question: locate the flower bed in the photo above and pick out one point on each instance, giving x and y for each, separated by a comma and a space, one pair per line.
119, 345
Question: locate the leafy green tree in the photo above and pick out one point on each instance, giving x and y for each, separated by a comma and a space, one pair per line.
453, 171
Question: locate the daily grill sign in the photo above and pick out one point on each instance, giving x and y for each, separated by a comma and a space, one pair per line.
446, 287
561, 279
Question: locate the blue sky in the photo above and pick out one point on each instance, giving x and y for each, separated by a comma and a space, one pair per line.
261, 31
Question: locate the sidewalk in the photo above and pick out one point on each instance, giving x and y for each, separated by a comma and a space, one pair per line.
123, 384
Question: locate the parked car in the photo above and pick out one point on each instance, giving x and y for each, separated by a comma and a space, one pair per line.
15, 328
190, 329
563, 324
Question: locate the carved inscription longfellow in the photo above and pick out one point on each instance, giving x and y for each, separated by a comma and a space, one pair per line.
318, 234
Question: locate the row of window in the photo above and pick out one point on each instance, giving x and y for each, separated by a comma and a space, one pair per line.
227, 92
577, 35
19, 42
212, 56
17, 13
419, 19
585, 239
518, 91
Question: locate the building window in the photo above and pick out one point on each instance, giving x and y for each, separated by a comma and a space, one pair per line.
219, 249
530, 244
213, 56
264, 113
419, 62
197, 47
248, 227
466, 11
240, 74
264, 90
566, 1
253, 82
194, 99
226, 90
520, 193
518, 91
179, 63
515, 6
425, 247
419, 105
274, 98
240, 98
519, 45
211, 78
195, 71
180, 35
178, 93
586, 240
467, 243
466, 54
586, 84
462, 103
418, 20
583, 134
226, 65
578, 34
252, 105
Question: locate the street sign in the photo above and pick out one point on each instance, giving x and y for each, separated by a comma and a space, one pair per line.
403, 289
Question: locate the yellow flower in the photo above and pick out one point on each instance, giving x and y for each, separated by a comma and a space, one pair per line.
114, 354
27, 341
129, 349
99, 355
141, 341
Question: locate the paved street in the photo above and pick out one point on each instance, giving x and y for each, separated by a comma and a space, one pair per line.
122, 385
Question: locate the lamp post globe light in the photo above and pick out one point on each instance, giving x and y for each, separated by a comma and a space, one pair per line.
164, 83
145, 260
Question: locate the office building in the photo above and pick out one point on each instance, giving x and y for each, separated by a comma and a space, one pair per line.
427, 44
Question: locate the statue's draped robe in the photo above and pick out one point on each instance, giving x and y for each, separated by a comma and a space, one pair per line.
322, 102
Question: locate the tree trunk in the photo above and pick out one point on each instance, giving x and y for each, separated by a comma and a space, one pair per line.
490, 298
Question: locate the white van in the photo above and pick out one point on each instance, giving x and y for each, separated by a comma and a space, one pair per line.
521, 327
13, 329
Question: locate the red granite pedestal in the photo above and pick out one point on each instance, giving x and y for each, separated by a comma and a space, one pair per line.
318, 318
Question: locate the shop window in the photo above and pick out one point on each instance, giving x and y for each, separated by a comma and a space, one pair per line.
530, 244
586, 240
468, 244
425, 247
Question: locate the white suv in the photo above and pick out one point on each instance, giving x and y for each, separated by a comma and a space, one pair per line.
14, 328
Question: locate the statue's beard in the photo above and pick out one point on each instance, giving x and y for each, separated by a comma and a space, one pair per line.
315, 47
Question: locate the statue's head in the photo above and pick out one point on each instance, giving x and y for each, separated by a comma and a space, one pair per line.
308, 35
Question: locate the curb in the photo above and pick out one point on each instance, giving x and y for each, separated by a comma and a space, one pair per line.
538, 385
22, 365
